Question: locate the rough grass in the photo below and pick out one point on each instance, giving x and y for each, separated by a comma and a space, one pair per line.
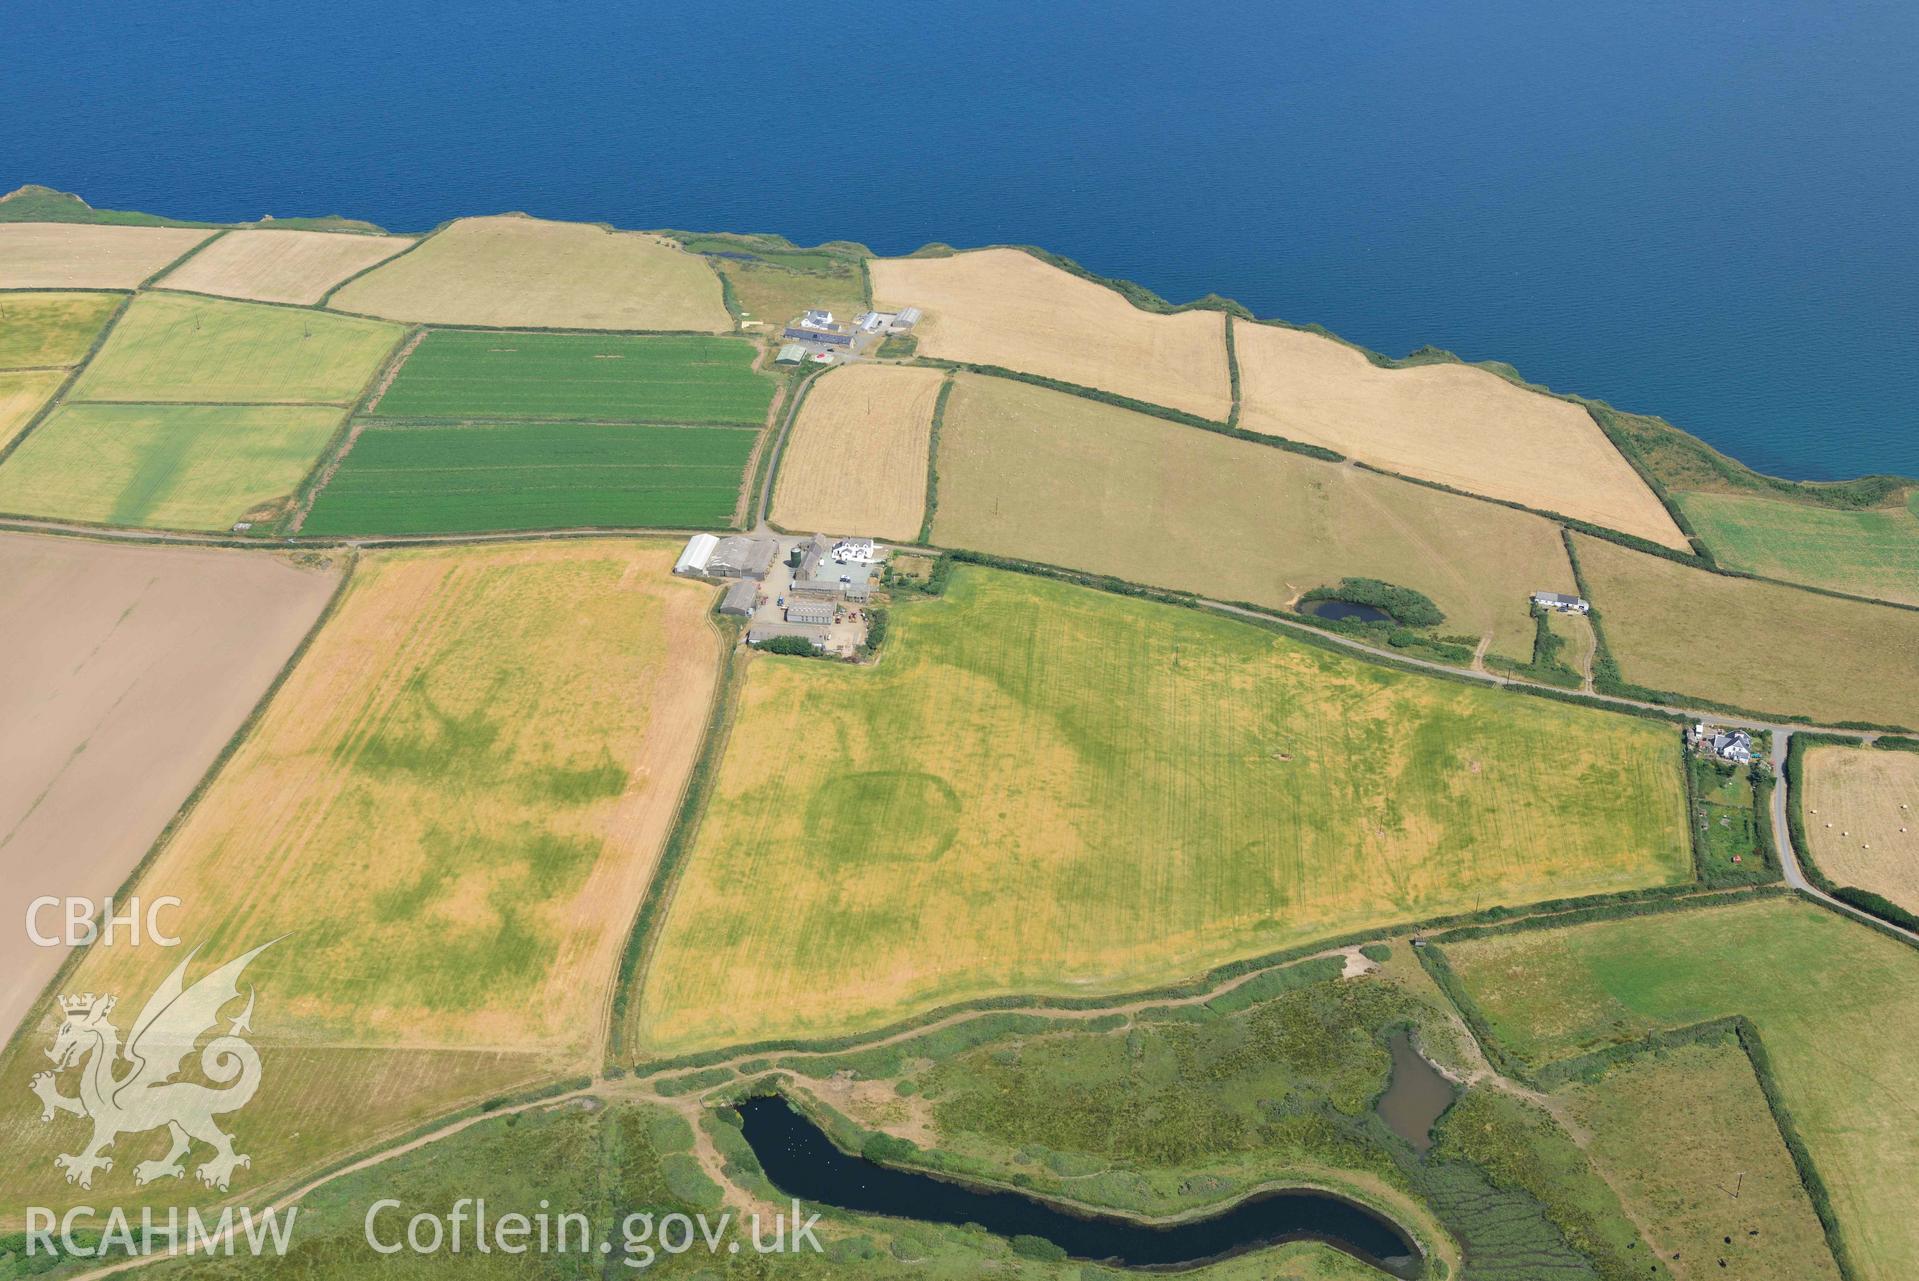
1005, 307
70, 255
1862, 819
456, 374
1752, 644
1455, 424
1833, 1002
22, 393
164, 466
856, 461
1687, 1139
517, 271
1869, 552
1046, 788
176, 347
280, 265
487, 476
1045, 476
48, 329
450, 811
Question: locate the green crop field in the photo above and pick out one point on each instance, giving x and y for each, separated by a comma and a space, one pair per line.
50, 329
485, 476
1046, 788
1834, 1003
165, 466
1874, 552
619, 378
173, 347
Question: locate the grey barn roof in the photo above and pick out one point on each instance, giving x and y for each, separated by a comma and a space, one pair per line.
738, 556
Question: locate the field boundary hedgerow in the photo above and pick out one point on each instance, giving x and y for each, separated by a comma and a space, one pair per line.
933, 459
772, 452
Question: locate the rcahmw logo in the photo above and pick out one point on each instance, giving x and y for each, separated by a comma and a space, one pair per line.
130, 1089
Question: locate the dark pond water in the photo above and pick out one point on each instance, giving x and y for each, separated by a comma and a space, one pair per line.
1417, 1095
1345, 609
802, 1162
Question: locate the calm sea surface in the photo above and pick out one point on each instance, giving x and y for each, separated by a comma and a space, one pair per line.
1706, 210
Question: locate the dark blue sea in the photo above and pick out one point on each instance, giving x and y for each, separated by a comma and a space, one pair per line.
1707, 210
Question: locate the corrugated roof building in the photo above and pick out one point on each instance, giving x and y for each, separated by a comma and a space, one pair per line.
741, 557
693, 559
817, 613
741, 599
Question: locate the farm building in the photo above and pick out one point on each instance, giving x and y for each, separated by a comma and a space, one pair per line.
832, 338
852, 549
822, 573
1561, 604
791, 354
817, 613
741, 599
1733, 745
905, 320
741, 557
693, 559
871, 322
760, 635
816, 318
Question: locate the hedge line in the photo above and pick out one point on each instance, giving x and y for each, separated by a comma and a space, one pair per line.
1801, 1158
933, 460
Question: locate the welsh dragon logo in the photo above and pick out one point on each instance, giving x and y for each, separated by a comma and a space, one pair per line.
144, 1096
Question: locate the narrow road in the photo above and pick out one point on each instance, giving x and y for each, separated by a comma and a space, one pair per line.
1789, 857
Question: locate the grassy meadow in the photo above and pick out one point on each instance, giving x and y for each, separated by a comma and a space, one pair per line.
1832, 1001
1044, 476
50, 329
1046, 788
22, 393
1752, 644
1687, 1139
421, 479
856, 460
1871, 551
164, 466
613, 377
1860, 819
450, 812
177, 347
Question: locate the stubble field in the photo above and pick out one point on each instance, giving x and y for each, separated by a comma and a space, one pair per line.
1042, 788
1043, 476
523, 272
1862, 819
280, 266
71, 255
1874, 552
44, 330
1460, 426
857, 459
1831, 999
22, 393
1005, 307
1752, 644
447, 815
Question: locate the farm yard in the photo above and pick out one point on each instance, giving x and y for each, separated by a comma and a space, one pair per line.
1794, 653
22, 393
1831, 1002
856, 461
1870, 552
127, 670
1861, 814
164, 466
70, 255
518, 272
177, 347
447, 815
43, 330
1044, 476
280, 266
611, 377
1451, 423
1050, 789
1005, 307
427, 478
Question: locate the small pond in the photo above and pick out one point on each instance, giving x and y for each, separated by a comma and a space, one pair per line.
1416, 1096
802, 1162
1347, 611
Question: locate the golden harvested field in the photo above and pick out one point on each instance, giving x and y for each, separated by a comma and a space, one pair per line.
518, 271
1752, 644
1044, 788
73, 255
1005, 307
1045, 476
280, 266
856, 463
45, 330
1460, 426
1862, 819
22, 393
450, 811
128, 669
